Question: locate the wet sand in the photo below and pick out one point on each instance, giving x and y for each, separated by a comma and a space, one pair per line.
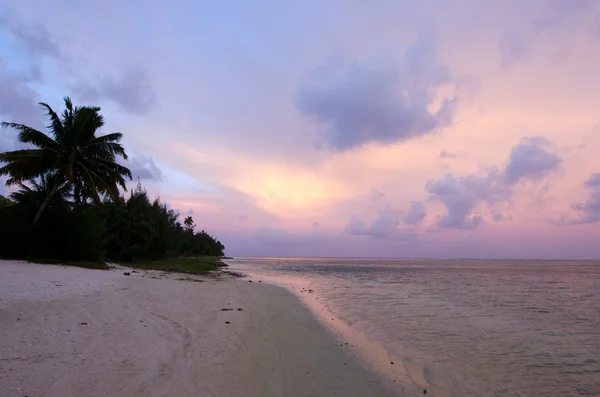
74, 332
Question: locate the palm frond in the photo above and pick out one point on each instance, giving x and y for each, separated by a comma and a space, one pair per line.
106, 147
33, 136
17, 155
111, 167
87, 121
56, 126
85, 163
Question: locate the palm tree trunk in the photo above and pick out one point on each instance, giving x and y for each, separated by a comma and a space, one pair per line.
46, 203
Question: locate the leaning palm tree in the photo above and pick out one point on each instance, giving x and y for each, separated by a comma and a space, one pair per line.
72, 153
36, 192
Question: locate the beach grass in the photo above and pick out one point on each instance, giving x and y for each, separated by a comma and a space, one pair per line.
189, 265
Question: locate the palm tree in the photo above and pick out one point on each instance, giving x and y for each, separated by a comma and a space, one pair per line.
39, 190
189, 223
72, 153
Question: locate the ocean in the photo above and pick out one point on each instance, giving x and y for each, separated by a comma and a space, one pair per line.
458, 327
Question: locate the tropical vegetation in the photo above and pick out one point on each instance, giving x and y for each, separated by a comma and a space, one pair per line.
71, 201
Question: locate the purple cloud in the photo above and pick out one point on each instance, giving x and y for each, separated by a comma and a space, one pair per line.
144, 168
530, 160
388, 223
385, 226
282, 237
444, 154
513, 47
415, 214
35, 38
18, 102
516, 44
132, 91
377, 195
460, 196
361, 102
593, 181
590, 210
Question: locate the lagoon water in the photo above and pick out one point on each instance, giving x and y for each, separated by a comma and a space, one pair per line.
463, 327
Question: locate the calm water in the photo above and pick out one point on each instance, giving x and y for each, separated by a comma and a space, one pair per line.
462, 327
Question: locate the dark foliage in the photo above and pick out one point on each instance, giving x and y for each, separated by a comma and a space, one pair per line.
64, 233
70, 153
4, 202
120, 230
65, 176
140, 229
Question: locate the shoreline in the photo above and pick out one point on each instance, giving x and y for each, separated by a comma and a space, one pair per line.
372, 353
72, 331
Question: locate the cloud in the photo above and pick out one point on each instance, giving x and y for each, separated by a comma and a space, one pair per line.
144, 168
557, 16
35, 38
498, 217
316, 225
388, 224
377, 195
590, 210
132, 91
18, 103
385, 226
444, 154
593, 181
415, 214
513, 47
283, 237
460, 196
385, 102
18, 100
530, 160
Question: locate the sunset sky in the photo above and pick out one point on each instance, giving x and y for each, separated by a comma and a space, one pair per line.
378, 128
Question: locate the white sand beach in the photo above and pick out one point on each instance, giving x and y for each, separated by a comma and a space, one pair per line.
67, 331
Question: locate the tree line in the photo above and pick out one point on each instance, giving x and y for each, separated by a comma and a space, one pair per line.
71, 203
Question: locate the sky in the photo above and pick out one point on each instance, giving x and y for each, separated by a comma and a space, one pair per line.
336, 127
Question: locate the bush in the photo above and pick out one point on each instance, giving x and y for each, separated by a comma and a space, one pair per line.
62, 234
129, 230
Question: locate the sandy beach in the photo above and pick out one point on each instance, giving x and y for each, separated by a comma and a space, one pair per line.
67, 331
